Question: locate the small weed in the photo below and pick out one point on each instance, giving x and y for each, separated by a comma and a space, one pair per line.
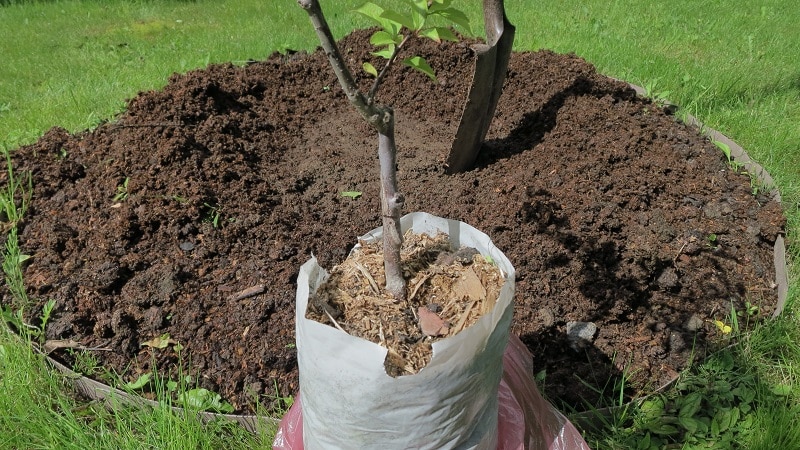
723, 327
139, 383
280, 404
726, 150
750, 310
660, 98
179, 198
707, 409
212, 215
16, 319
201, 399
14, 198
756, 185
122, 191
47, 311
86, 362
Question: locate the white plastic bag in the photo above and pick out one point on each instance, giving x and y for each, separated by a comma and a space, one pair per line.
525, 420
350, 402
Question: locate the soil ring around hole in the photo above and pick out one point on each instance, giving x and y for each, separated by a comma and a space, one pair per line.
589, 189
596, 419
592, 419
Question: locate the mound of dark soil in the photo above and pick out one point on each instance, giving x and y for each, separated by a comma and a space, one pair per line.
191, 213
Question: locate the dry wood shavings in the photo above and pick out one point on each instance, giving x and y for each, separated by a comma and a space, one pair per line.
450, 289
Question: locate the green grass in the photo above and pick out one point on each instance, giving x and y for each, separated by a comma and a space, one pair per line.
73, 64
38, 413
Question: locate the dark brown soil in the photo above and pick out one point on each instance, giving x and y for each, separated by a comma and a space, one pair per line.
611, 211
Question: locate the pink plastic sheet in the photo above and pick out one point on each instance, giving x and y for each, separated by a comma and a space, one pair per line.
526, 421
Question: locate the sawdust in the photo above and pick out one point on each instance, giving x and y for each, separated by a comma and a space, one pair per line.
449, 290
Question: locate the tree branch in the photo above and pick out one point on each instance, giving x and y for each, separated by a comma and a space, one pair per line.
372, 113
381, 118
389, 63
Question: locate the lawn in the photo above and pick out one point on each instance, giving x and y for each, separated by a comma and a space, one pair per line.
732, 65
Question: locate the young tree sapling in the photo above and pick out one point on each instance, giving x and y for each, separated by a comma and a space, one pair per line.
395, 30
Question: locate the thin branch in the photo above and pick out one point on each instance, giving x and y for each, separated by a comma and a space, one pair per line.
373, 114
389, 63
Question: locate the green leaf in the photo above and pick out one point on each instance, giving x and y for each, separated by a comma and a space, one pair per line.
690, 405
689, 424
439, 34
385, 53
644, 443
381, 37
140, 382
455, 16
745, 393
373, 12
663, 429
419, 63
652, 408
162, 341
419, 12
782, 390
204, 400
394, 16
438, 5
723, 420
370, 69
352, 194
726, 150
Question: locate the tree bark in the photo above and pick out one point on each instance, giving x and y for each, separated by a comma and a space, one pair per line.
391, 206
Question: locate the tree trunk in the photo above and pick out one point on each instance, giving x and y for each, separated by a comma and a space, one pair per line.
391, 206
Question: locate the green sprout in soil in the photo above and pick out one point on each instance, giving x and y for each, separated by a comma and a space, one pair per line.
122, 191
212, 215
660, 98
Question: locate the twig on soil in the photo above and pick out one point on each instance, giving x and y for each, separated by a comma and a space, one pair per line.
54, 344
418, 286
245, 293
333, 321
464, 316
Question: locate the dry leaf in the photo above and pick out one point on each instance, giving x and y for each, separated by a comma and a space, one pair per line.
52, 345
159, 341
469, 286
430, 323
